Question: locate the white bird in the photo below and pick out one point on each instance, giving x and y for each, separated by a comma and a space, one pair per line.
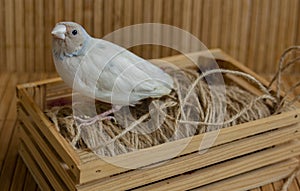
105, 71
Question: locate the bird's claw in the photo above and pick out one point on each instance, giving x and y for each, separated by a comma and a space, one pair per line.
97, 118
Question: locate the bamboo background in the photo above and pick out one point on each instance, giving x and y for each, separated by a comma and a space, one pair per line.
253, 31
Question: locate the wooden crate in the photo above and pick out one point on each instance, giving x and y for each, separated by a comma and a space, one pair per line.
242, 157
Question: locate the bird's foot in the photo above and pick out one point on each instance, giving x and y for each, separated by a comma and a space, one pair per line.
91, 121
103, 116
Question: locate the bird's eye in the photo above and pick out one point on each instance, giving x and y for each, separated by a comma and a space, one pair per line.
74, 32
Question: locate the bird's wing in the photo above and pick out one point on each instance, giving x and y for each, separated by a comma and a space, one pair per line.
124, 77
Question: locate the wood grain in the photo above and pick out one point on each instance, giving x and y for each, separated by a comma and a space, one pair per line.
255, 32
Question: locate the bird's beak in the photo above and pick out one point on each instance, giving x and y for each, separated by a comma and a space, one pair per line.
59, 31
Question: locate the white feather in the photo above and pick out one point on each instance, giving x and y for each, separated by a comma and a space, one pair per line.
113, 74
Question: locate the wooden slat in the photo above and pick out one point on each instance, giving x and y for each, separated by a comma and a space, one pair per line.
43, 163
194, 161
78, 11
7, 98
282, 20
294, 186
49, 25
147, 31
167, 19
186, 24
20, 36
255, 178
10, 35
29, 183
263, 31
29, 31
292, 22
8, 154
3, 67
39, 36
137, 19
252, 35
98, 18
11, 112
157, 18
68, 10
177, 22
196, 25
216, 33
245, 29
34, 169
255, 189
58, 10
4, 85
62, 147
20, 171
108, 15
277, 185
235, 26
227, 169
54, 160
267, 187
226, 23
118, 20
127, 21
88, 15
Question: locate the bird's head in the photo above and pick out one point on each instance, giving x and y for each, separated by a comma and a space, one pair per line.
69, 37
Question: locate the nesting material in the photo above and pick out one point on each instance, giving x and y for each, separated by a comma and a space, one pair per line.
192, 108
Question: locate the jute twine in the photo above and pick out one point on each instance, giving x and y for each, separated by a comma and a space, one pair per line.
187, 111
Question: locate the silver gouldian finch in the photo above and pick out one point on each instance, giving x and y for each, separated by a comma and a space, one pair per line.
104, 70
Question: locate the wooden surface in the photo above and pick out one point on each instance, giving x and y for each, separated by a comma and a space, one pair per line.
13, 172
253, 31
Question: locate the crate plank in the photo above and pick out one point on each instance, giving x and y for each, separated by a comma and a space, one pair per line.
293, 186
42, 162
30, 183
254, 178
193, 161
20, 171
47, 151
277, 185
62, 147
228, 169
36, 172
267, 187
